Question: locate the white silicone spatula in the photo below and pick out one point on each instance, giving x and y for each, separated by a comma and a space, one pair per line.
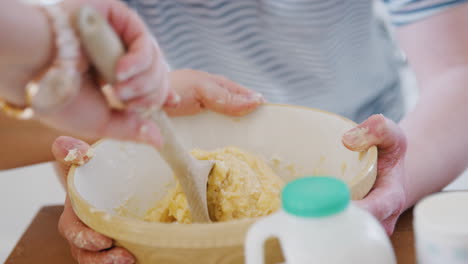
104, 48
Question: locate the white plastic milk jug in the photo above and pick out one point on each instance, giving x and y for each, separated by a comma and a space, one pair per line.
319, 225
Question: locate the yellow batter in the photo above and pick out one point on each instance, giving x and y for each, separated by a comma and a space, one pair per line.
240, 185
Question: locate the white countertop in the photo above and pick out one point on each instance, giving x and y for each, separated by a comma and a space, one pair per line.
25, 190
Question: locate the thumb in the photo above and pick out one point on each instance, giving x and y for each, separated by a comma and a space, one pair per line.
69, 151
381, 132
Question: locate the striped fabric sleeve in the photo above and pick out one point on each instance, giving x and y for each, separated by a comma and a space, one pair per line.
404, 12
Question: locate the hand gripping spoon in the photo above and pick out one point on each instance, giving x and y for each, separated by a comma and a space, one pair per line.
104, 48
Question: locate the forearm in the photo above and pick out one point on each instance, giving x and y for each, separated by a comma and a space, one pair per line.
436, 48
25, 49
437, 134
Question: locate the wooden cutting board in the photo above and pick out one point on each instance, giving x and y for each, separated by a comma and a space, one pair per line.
41, 243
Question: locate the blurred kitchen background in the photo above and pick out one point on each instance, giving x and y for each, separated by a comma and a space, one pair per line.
24, 190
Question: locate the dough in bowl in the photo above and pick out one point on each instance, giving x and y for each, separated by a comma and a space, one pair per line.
240, 185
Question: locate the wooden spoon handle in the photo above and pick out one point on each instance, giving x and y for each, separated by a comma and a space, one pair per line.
103, 47
101, 42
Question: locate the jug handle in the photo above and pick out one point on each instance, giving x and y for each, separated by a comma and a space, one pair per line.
257, 235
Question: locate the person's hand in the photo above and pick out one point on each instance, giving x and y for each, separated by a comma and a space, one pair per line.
86, 245
201, 90
387, 198
142, 81
198, 91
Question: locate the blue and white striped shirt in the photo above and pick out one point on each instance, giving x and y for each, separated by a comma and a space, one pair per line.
329, 54
408, 11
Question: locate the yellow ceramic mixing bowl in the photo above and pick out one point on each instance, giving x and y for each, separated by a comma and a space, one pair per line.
127, 179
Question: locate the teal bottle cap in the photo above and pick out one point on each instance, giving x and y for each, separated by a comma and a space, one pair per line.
315, 196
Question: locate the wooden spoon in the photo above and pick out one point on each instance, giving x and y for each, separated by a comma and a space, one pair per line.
104, 48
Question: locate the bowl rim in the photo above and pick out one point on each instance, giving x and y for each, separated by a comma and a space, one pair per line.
197, 235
